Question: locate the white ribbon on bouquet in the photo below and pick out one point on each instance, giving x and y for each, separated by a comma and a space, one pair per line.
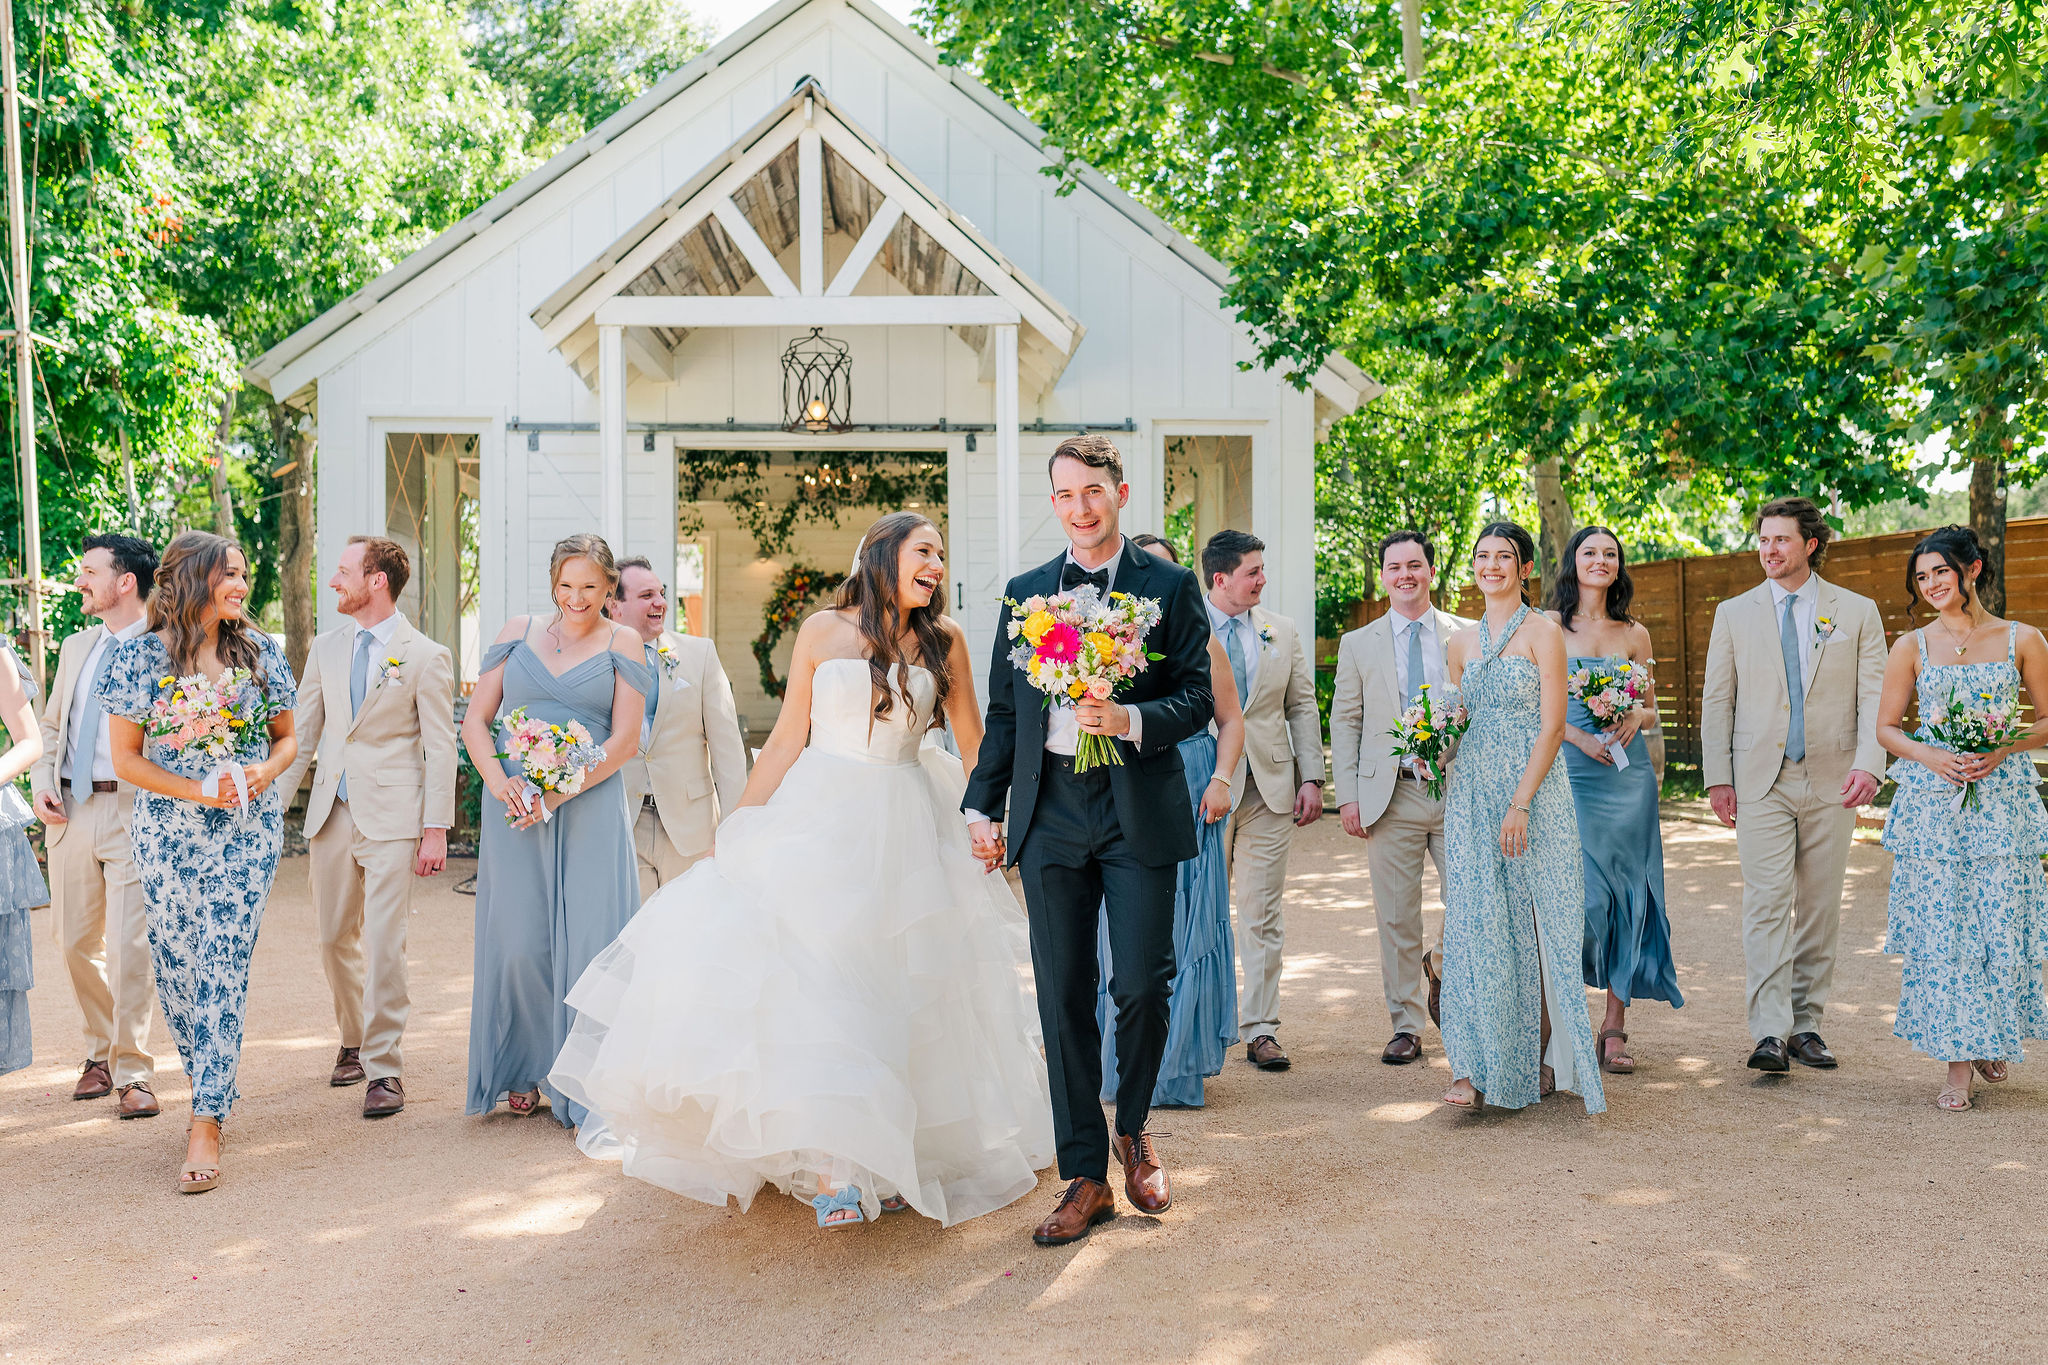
1618, 751
532, 795
209, 786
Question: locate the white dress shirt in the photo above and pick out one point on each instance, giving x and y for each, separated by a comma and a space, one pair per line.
1805, 609
102, 746
1247, 640
1432, 654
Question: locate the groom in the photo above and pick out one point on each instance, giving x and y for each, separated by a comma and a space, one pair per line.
1112, 838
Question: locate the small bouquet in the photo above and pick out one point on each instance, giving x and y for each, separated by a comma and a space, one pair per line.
1079, 644
551, 758
217, 718
1977, 724
1427, 732
1609, 694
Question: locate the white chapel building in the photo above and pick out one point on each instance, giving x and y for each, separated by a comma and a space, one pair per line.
574, 354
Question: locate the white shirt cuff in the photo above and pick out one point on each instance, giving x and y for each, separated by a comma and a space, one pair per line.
974, 815
1135, 736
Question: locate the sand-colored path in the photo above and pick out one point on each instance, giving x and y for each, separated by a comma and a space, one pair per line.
1331, 1213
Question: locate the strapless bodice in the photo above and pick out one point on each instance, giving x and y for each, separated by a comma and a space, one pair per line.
843, 722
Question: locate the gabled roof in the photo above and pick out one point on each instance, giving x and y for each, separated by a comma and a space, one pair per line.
284, 369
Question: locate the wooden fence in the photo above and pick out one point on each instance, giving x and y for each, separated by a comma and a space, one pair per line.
1675, 599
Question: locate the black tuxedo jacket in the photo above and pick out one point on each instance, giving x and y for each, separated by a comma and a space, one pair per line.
1173, 696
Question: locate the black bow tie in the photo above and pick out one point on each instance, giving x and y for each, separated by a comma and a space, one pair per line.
1073, 576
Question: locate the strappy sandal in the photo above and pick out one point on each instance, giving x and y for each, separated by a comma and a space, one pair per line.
1475, 1104
1992, 1072
838, 1202
1954, 1098
525, 1103
1546, 1084
895, 1203
1620, 1064
207, 1176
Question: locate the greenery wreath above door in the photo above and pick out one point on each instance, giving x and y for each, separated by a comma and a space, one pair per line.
788, 602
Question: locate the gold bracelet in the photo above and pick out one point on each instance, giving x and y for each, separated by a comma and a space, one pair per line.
1219, 777
1515, 806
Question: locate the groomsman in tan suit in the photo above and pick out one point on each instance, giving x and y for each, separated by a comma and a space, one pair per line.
1381, 668
95, 891
1279, 782
1788, 736
383, 799
692, 763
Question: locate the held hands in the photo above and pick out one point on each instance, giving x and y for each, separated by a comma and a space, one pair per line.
1103, 718
1348, 814
50, 809
1215, 801
1308, 804
1514, 833
986, 839
433, 853
1859, 787
538, 810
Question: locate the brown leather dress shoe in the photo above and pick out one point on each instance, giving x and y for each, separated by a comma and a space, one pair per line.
138, 1101
1402, 1049
95, 1082
1432, 968
348, 1067
1144, 1173
1808, 1050
385, 1097
1264, 1053
1086, 1203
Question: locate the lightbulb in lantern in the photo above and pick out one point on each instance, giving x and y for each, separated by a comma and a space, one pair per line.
816, 415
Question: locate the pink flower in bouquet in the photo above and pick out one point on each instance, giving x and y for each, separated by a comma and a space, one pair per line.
1061, 644
1100, 688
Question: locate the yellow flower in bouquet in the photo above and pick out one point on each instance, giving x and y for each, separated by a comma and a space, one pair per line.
1037, 624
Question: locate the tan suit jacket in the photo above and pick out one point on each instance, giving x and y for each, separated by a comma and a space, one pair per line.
1283, 730
1745, 709
399, 753
56, 725
694, 763
1364, 708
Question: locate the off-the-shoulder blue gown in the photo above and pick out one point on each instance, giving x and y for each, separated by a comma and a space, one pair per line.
550, 897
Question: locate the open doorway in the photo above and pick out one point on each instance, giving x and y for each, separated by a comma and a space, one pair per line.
1208, 489
431, 490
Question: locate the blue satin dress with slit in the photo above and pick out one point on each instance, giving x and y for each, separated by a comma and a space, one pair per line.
550, 897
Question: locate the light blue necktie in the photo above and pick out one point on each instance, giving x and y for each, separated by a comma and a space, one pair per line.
654, 692
1416, 676
358, 683
88, 730
1795, 684
1234, 647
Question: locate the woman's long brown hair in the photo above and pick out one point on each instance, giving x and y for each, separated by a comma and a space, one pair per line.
192, 565
870, 590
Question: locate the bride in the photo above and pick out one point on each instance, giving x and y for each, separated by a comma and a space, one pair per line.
830, 1003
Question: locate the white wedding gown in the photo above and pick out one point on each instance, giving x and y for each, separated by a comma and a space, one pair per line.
836, 993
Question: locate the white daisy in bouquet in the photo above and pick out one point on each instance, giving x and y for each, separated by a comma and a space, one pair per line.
1081, 644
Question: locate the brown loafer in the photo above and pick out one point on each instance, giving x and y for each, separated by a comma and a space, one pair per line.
1264, 1053
138, 1101
1144, 1173
1402, 1049
385, 1097
1085, 1203
348, 1067
95, 1082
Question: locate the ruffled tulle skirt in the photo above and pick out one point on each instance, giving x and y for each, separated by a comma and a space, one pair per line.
835, 995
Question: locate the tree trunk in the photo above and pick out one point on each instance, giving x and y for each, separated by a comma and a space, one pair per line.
1411, 49
223, 499
1554, 511
295, 535
1987, 498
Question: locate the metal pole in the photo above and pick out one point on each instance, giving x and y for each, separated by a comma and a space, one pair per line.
24, 358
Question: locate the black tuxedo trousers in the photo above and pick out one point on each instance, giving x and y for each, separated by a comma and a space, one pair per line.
1077, 864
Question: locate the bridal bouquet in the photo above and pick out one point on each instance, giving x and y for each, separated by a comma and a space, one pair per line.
551, 758
1978, 724
216, 718
1609, 694
1080, 644
1427, 732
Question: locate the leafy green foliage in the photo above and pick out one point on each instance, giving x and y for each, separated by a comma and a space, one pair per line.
573, 63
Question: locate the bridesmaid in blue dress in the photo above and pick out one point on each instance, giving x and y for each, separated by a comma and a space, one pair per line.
21, 881
1969, 903
553, 890
205, 860
1202, 1016
1628, 936
1514, 1013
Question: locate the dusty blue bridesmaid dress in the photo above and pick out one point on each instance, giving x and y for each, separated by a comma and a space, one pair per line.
1202, 1022
21, 888
1628, 936
550, 897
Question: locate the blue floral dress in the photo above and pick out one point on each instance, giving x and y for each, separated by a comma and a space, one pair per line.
1514, 928
205, 873
21, 888
1969, 902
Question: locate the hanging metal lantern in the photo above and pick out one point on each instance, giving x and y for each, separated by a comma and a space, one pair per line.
817, 384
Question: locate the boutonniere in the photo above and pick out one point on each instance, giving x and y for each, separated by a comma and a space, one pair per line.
671, 663
389, 671
1823, 629
1266, 636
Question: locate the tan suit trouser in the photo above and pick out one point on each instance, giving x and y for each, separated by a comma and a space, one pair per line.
1411, 827
1256, 846
103, 929
1794, 846
659, 861
362, 898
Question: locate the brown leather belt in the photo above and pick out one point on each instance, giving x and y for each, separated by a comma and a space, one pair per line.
106, 786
